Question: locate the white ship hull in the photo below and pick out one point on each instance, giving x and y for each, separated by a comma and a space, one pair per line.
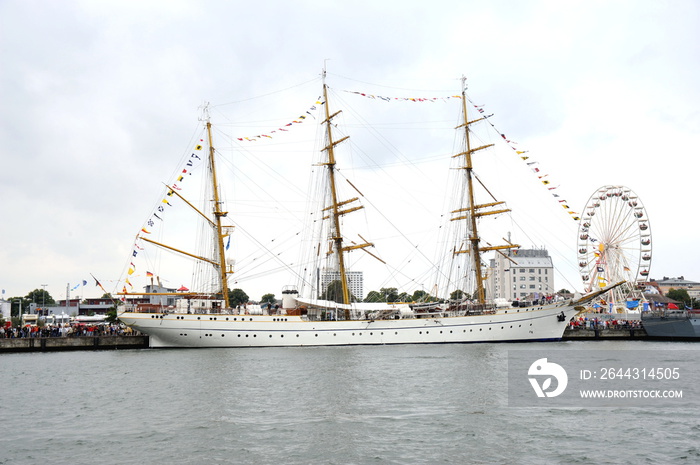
541, 323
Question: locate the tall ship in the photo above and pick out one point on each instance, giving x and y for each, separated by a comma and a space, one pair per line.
209, 319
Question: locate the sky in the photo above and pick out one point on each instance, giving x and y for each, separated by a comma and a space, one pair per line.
101, 104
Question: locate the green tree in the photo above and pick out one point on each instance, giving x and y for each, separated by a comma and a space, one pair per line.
268, 299
374, 296
391, 294
458, 294
237, 297
40, 297
16, 303
420, 296
681, 295
404, 297
111, 316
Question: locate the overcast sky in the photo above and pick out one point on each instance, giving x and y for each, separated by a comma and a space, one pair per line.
100, 101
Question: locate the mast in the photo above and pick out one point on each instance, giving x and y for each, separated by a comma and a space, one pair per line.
334, 209
472, 210
337, 237
218, 215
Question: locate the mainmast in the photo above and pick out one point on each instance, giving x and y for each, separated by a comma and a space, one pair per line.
334, 208
472, 210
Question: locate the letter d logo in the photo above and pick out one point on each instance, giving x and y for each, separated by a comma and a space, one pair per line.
542, 367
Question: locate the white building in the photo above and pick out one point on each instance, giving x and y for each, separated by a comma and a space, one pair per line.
5, 308
355, 282
520, 274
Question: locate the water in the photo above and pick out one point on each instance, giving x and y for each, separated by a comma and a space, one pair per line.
344, 405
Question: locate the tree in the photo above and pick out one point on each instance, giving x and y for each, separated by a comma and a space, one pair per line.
268, 299
391, 294
680, 295
458, 294
40, 297
16, 303
237, 297
374, 296
111, 316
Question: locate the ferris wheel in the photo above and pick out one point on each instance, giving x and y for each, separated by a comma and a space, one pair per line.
614, 243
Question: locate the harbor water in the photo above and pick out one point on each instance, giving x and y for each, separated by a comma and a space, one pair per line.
426, 404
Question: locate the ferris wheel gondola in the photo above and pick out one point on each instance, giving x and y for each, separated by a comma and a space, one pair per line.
614, 243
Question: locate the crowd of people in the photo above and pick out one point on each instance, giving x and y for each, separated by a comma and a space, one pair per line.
603, 323
66, 330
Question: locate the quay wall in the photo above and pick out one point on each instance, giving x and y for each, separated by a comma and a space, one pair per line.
50, 344
586, 334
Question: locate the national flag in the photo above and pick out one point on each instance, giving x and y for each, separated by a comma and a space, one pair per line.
149, 274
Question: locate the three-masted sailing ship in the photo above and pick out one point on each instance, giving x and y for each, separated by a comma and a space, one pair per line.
212, 322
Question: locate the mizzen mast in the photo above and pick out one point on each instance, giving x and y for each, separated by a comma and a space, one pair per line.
472, 212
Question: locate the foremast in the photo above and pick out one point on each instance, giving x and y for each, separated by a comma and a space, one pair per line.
472, 212
218, 215
221, 232
335, 212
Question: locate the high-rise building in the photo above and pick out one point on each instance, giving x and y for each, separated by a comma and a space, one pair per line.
520, 274
355, 282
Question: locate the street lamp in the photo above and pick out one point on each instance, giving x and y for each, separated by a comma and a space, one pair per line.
43, 299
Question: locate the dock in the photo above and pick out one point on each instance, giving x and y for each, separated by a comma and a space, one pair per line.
54, 344
603, 334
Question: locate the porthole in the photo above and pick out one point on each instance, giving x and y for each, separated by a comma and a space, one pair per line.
222, 335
